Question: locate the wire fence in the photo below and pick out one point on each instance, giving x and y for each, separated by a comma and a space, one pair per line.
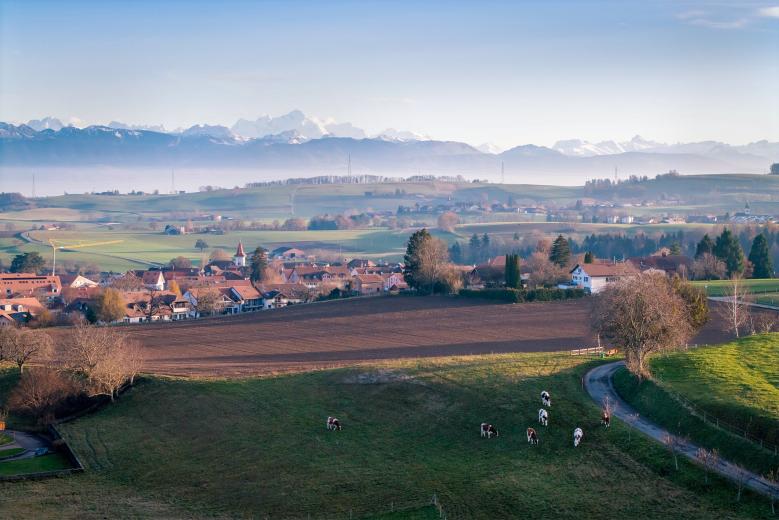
722, 424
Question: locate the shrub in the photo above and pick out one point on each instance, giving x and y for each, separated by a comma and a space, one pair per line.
519, 296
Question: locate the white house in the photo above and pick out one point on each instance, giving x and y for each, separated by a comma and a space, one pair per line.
594, 277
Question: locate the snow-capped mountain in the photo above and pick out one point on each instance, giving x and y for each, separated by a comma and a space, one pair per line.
215, 131
47, 123
390, 134
122, 126
580, 148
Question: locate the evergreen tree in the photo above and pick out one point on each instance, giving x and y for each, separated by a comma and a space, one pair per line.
259, 264
485, 243
513, 279
588, 257
704, 246
676, 249
561, 252
27, 263
727, 249
456, 253
411, 261
762, 265
475, 248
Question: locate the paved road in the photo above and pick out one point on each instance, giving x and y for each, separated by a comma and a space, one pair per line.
28, 441
727, 299
598, 384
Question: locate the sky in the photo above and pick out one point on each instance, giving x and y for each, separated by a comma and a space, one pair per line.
508, 73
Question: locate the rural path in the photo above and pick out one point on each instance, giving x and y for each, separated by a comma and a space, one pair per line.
27, 441
598, 383
727, 299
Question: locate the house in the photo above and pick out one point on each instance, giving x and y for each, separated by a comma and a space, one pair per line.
21, 310
287, 253
222, 301
368, 284
594, 277
667, 263
360, 262
394, 282
279, 295
247, 297
76, 281
153, 280
29, 284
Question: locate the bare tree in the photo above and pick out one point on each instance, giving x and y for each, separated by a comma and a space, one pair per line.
674, 445
708, 267
208, 301
762, 322
447, 221
773, 478
741, 476
643, 315
40, 391
103, 357
154, 305
708, 459
22, 345
734, 314
543, 271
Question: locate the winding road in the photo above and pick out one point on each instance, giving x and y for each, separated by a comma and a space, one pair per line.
598, 383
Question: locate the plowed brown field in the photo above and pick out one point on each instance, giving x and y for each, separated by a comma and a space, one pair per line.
350, 331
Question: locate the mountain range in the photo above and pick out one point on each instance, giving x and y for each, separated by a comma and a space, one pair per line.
299, 145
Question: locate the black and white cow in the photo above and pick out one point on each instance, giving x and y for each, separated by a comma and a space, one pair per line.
605, 418
546, 399
577, 437
532, 436
543, 417
488, 430
333, 424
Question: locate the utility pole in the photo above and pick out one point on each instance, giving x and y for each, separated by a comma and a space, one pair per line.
172, 181
502, 173
349, 167
33, 185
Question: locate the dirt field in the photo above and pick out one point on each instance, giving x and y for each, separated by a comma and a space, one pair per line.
350, 331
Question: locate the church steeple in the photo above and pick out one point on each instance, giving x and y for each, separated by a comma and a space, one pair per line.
239, 258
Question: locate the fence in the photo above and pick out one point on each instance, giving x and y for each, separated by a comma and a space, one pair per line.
720, 423
591, 351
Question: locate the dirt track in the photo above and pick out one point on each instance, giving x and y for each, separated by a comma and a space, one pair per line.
343, 332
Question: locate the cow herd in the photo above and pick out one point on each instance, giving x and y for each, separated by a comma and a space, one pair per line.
489, 431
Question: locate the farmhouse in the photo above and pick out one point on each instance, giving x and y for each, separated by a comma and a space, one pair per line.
19, 310
280, 295
594, 277
287, 253
29, 284
368, 284
76, 281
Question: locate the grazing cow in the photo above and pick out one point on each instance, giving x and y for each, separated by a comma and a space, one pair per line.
605, 419
543, 417
488, 430
546, 399
532, 436
577, 437
333, 424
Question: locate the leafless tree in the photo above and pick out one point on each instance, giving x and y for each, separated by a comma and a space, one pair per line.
22, 345
543, 271
643, 315
40, 391
207, 302
128, 282
762, 322
103, 357
674, 445
708, 460
433, 258
773, 478
708, 267
447, 221
741, 476
734, 314
154, 305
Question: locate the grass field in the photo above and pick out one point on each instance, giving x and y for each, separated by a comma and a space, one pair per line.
51, 462
756, 286
737, 382
259, 448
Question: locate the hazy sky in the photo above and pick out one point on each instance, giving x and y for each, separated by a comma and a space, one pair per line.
504, 72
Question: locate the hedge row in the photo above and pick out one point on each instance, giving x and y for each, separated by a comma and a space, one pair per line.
519, 295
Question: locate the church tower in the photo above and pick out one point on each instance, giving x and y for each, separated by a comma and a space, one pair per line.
239, 258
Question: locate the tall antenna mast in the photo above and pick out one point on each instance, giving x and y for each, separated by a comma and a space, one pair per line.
33, 185
349, 167
172, 181
616, 174
502, 173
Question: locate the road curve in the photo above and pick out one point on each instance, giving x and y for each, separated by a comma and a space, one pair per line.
598, 383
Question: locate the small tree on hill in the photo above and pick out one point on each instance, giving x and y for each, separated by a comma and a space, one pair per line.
447, 221
734, 314
727, 249
760, 257
180, 262
425, 260
201, 244
110, 306
643, 315
22, 345
561, 252
588, 258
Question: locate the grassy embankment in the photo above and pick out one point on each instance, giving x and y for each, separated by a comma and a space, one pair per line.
737, 383
752, 286
258, 447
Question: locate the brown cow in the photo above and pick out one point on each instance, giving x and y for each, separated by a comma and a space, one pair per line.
532, 436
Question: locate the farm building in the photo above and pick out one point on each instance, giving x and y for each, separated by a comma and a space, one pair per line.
594, 277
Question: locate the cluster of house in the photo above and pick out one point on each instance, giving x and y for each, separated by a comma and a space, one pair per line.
220, 287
